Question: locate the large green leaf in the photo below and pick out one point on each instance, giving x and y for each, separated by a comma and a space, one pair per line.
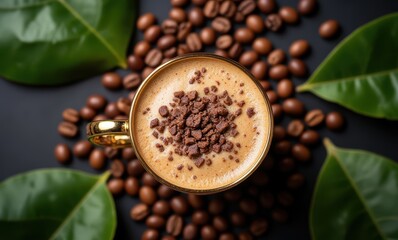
56, 204
48, 42
361, 73
355, 197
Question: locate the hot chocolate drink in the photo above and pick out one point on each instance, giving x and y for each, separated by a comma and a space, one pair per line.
201, 123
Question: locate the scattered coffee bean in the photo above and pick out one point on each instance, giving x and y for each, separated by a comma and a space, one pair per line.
293, 106
301, 153
200, 217
139, 212
71, 115
262, 45
62, 153
224, 41
211, 9
132, 186
279, 133
147, 195
279, 215
334, 121
255, 23
82, 149
174, 225
246, 7
221, 24
272, 97
150, 234
228, 9
161, 208
314, 118
298, 68
116, 186
273, 22
195, 201
154, 57
208, 233
299, 48
259, 69
97, 159
289, 15
165, 192
279, 71
295, 181
179, 205
309, 137
276, 57
111, 81
208, 36
152, 33
248, 58
193, 42
117, 168
235, 51
135, 62
145, 21
244, 35
190, 232
199, 2
266, 6
155, 221
141, 48
307, 7
196, 16
111, 152
258, 227
165, 42
329, 29
287, 164
178, 14
96, 102
285, 88
169, 26
111, 110
295, 128
87, 113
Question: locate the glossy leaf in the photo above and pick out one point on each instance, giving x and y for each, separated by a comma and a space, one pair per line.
361, 73
355, 197
56, 204
49, 42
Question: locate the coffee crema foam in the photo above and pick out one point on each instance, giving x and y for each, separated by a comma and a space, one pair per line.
254, 131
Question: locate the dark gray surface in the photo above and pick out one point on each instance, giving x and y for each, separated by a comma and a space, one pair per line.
29, 115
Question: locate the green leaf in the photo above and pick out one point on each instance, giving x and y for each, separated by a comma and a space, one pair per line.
361, 73
355, 197
49, 42
56, 204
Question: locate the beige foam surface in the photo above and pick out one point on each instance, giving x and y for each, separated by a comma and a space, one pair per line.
253, 132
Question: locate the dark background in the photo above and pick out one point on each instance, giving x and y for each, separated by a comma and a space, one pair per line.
29, 115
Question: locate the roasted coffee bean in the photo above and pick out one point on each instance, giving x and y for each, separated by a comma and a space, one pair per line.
149, 180
307, 7
266, 6
279, 215
220, 223
111, 152
161, 208
135, 62
267, 200
169, 26
295, 128
238, 219
155, 221
273, 22
227, 236
147, 195
179, 205
314, 118
199, 2
262, 45
239, 17
82, 149
178, 14
131, 80
141, 48
111, 81
221, 53
211, 9
123, 105
259, 69
255, 23
272, 97
216, 206
121, 117
295, 181
286, 164
87, 113
154, 58
95, 102
196, 16
139, 212
276, 57
208, 233
196, 201
258, 227
301, 153
132, 186
248, 206
245, 236
293, 106
233, 195
200, 217
111, 110
289, 15
285, 88
71, 115
259, 178
283, 147
97, 159
165, 42
248, 58
168, 237
329, 29
208, 36
62, 153
221, 24
235, 51
309, 137
279, 71
228, 9
193, 42
145, 21
153, 33
145, 73
279, 133
169, 53
165, 192
224, 41
117, 168
277, 110
266, 85
190, 232
298, 68
115, 186
174, 225
179, 3
244, 35
184, 29
334, 121
299, 48
99, 117
150, 234
246, 7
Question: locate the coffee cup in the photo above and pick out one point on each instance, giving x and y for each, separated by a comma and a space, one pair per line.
199, 123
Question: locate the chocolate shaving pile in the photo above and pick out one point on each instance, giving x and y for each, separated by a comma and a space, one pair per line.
198, 125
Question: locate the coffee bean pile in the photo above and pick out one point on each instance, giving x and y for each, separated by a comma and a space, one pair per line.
232, 29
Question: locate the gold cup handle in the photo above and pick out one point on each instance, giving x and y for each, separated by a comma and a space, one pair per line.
112, 133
